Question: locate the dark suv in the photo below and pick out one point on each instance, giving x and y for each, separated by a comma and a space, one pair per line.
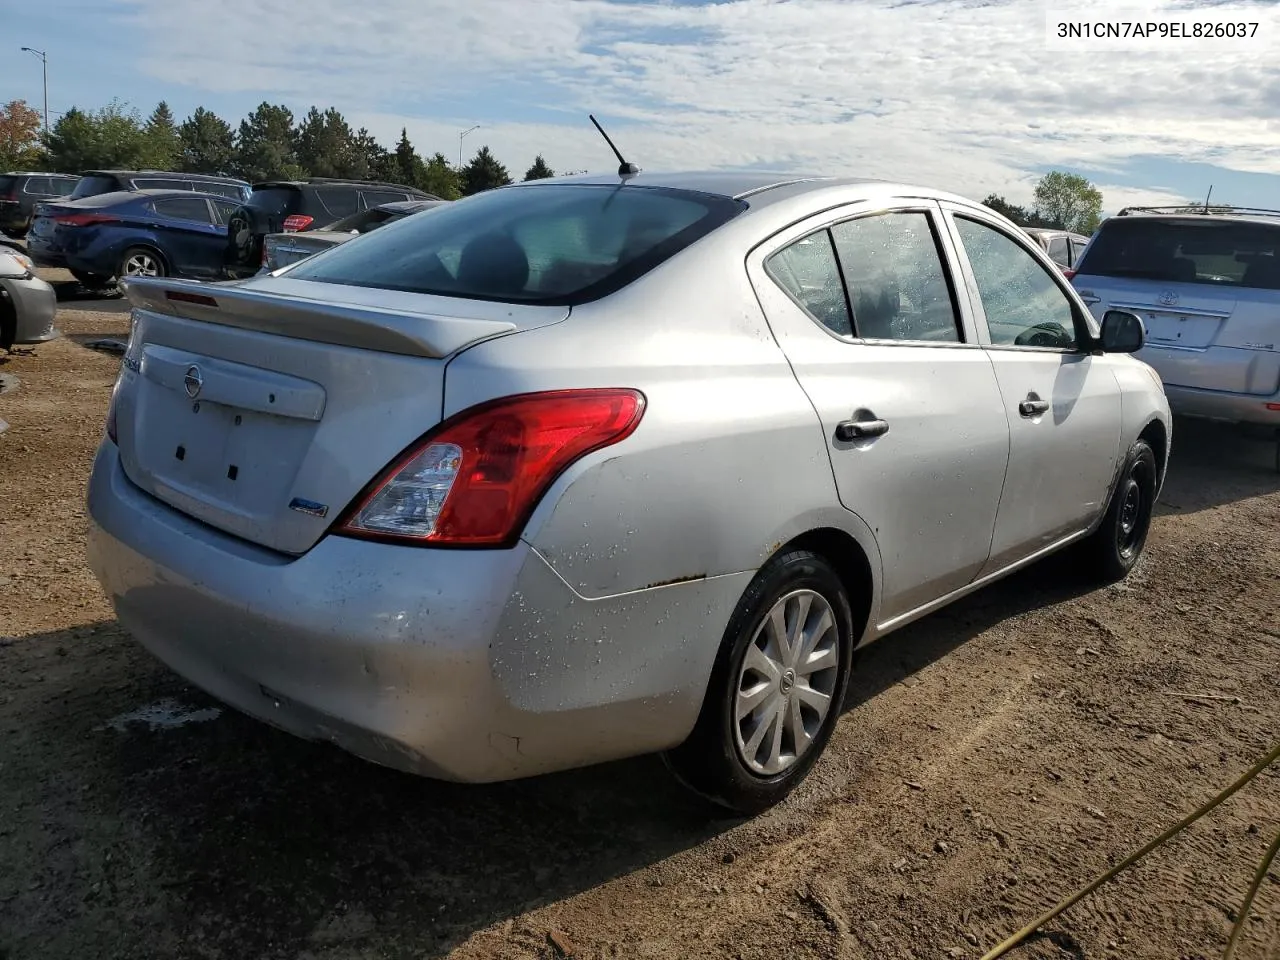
20, 192
95, 182
291, 206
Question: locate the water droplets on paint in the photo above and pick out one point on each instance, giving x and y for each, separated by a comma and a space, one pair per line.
162, 715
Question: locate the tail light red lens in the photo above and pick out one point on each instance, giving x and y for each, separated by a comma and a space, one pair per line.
1068, 272
83, 219
297, 222
475, 479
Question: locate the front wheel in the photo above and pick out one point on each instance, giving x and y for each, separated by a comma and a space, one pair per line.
140, 262
776, 690
1114, 548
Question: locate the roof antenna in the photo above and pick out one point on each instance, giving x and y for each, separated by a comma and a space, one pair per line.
1206, 198
624, 169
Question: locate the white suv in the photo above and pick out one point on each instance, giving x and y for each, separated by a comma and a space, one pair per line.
1207, 287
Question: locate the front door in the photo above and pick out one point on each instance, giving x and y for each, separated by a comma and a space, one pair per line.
1062, 402
865, 310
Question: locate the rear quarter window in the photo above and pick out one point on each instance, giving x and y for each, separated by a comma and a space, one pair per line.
1206, 251
560, 244
275, 201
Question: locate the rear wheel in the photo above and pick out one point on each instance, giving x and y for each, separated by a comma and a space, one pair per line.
8, 321
141, 262
1114, 548
776, 689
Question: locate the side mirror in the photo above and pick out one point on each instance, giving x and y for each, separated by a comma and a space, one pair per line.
1122, 332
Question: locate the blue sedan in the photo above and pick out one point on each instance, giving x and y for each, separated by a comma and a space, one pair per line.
143, 233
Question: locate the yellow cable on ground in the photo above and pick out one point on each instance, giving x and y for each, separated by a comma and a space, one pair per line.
1129, 861
1243, 913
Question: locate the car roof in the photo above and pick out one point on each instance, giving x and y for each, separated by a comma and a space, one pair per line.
762, 188
211, 177
1256, 215
408, 206
341, 182
37, 173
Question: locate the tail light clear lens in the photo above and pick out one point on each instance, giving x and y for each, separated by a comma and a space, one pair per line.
296, 222
111, 413
475, 479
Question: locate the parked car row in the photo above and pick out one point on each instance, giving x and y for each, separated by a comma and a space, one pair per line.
107, 234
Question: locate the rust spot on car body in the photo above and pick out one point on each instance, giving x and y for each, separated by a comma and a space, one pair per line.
675, 580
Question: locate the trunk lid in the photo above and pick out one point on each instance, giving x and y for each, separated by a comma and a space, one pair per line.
283, 249
263, 408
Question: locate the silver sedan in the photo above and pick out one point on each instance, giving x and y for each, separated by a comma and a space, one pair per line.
27, 303
586, 468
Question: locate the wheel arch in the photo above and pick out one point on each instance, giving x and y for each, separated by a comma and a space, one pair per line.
150, 246
843, 551
1156, 434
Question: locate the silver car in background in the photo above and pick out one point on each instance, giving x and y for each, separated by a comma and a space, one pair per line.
27, 303
1063, 246
285, 249
586, 468
1207, 287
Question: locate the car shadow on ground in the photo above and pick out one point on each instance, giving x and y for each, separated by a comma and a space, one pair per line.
1213, 464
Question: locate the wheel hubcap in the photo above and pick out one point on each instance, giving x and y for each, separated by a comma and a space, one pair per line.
141, 265
786, 681
1129, 527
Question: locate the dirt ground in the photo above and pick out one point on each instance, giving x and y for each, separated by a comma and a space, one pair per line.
993, 758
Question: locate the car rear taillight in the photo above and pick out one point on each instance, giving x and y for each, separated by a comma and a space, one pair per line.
83, 219
474, 480
297, 222
1274, 407
1068, 272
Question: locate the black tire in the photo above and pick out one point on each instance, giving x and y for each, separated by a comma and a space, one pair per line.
8, 322
91, 281
141, 254
1113, 549
710, 762
15, 234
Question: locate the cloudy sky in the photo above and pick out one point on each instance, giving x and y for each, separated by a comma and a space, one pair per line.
967, 95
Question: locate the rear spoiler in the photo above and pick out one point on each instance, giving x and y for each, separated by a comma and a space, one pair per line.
343, 324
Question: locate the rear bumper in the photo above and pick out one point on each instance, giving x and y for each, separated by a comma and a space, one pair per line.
461, 665
1220, 405
35, 305
45, 257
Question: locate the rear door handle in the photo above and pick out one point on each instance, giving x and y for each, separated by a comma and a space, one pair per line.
849, 430
1033, 406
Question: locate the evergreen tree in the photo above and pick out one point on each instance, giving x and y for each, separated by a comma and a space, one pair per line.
484, 172
539, 170
438, 177
162, 145
207, 142
266, 148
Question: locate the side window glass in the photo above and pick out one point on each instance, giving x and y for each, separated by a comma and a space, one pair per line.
339, 202
894, 274
222, 210
1023, 304
808, 271
1058, 251
37, 187
1077, 248
181, 208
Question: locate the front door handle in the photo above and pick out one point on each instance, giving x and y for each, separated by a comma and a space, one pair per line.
1033, 406
848, 431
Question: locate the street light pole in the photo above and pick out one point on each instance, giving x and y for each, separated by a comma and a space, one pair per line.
460, 136
44, 60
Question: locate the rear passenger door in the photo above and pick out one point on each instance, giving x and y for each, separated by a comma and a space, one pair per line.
191, 240
863, 304
1062, 403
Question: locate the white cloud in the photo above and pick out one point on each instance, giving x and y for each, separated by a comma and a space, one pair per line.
963, 94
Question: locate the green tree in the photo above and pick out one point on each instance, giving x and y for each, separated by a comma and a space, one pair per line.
110, 137
1019, 215
208, 145
162, 146
407, 165
539, 170
325, 144
266, 147
19, 136
484, 172
1069, 201
438, 176
369, 160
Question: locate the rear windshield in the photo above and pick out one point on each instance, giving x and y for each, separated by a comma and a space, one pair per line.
1216, 252
275, 201
546, 244
364, 221
91, 186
